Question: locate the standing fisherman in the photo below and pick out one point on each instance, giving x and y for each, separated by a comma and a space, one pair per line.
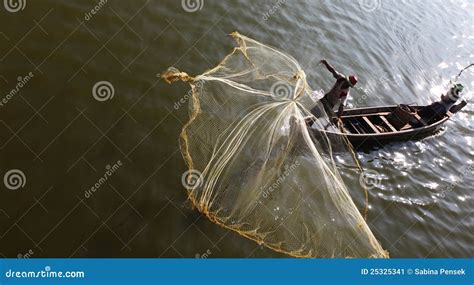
338, 94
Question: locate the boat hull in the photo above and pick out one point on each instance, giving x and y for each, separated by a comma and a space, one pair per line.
369, 127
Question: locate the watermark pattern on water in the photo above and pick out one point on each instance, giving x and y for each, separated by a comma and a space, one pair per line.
277, 183
371, 93
89, 15
466, 170
14, 179
361, 99
370, 5
267, 15
178, 104
206, 254
22, 82
27, 254
3, 78
109, 171
370, 179
192, 6
281, 89
4, 213
14, 6
103, 91
192, 179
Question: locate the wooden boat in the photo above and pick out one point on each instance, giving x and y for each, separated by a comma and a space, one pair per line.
370, 126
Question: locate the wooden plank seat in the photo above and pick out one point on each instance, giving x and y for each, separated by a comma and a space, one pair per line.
371, 125
387, 123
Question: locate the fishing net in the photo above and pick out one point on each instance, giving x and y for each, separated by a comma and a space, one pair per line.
261, 171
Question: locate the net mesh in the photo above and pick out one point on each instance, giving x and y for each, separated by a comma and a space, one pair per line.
262, 172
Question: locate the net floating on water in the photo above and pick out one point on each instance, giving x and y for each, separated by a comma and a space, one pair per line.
261, 172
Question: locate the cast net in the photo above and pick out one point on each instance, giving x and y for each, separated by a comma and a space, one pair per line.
261, 171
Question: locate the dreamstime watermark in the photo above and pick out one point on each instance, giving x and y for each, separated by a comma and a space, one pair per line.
110, 170
361, 99
27, 254
288, 170
22, 82
178, 104
192, 179
192, 6
206, 254
14, 6
89, 15
370, 5
267, 15
370, 179
466, 170
281, 89
103, 91
14, 179
47, 272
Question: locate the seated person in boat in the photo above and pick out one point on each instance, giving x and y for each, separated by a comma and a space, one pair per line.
338, 94
438, 110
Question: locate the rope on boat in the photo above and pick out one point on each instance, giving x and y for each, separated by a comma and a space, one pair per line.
451, 82
462, 70
340, 125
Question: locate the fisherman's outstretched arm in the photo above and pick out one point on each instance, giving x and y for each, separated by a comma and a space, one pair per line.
330, 68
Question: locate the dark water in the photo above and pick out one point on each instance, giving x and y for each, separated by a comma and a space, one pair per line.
64, 140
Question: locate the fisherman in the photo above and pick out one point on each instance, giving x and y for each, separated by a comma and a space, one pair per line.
438, 110
337, 96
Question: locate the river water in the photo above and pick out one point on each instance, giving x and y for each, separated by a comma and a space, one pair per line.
65, 141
